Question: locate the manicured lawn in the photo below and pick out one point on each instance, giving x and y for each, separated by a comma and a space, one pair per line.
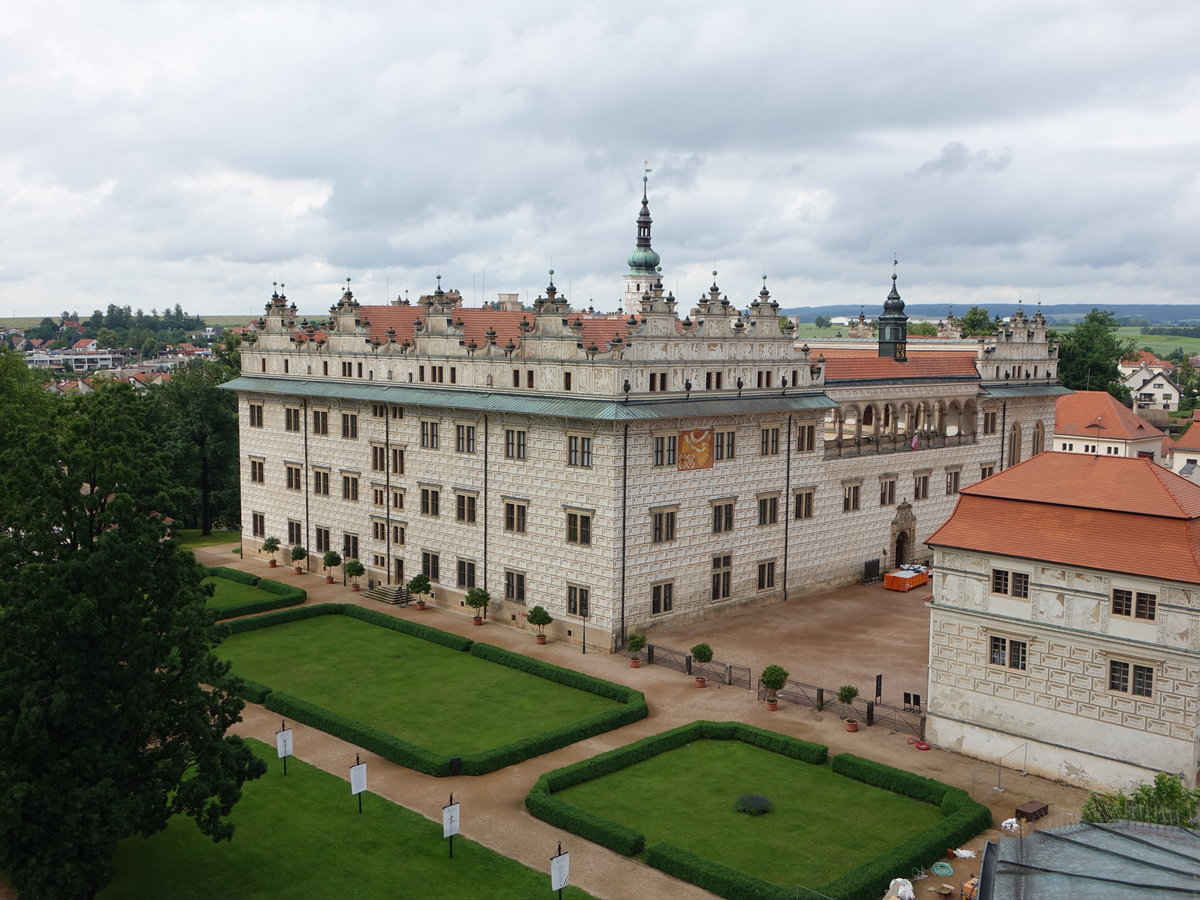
191, 538
822, 825
227, 594
300, 835
423, 693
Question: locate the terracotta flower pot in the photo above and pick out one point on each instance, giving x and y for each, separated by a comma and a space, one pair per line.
772, 705
701, 681
272, 563
299, 571
420, 604
541, 639
634, 662
852, 725
354, 587
329, 579
477, 620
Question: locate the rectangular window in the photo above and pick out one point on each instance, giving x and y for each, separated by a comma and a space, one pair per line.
806, 438
430, 502
1123, 604
429, 435
662, 527
579, 451
725, 448
258, 471
768, 510
713, 381
578, 601
256, 415
379, 531
398, 534
378, 496
349, 425
294, 534
566, 381
722, 517
291, 419
322, 536
664, 449
514, 586
349, 487
378, 459
464, 508
514, 517
347, 370
887, 492
952, 482
529, 378
662, 598
379, 410
1010, 653
293, 477
999, 581
764, 378
989, 423
430, 565
320, 483
579, 528
804, 504
349, 546
466, 574
1146, 606
988, 471
851, 497
766, 575
258, 525
464, 438
397, 461
1020, 584
722, 574
515, 441
769, 441
658, 381
920, 487
516, 378
397, 499
1143, 681
320, 422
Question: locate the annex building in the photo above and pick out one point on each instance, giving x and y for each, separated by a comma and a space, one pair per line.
1066, 617
622, 469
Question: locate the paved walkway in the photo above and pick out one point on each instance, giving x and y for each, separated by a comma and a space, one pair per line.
844, 637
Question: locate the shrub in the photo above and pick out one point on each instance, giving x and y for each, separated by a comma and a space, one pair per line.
331, 560
299, 554
539, 617
753, 805
354, 569
287, 595
846, 694
635, 643
773, 678
702, 653
616, 837
233, 575
419, 584
271, 545
478, 599
713, 876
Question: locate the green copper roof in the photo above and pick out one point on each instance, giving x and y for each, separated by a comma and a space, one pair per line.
643, 260
1025, 390
533, 405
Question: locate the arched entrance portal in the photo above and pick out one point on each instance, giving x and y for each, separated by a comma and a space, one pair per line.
904, 533
901, 556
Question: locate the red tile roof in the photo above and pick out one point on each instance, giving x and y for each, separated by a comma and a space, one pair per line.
859, 365
1189, 440
1146, 358
1097, 414
1101, 512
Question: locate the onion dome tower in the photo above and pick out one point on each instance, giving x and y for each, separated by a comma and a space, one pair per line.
643, 261
893, 325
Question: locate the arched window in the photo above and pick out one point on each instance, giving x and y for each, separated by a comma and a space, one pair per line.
1039, 439
1014, 444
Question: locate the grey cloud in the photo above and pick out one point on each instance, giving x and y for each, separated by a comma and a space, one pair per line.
956, 157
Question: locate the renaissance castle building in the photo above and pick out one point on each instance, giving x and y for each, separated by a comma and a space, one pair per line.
627, 469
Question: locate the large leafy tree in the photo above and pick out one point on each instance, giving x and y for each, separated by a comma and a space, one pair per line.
106, 730
1090, 354
976, 322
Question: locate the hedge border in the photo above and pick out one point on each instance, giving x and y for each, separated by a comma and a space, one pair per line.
633, 703
286, 594
621, 838
963, 819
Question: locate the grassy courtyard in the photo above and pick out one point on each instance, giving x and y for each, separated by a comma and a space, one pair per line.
191, 538
822, 826
230, 595
300, 835
429, 695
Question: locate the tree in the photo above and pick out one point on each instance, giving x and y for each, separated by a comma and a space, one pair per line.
922, 329
540, 618
478, 599
105, 643
976, 322
1090, 353
1165, 802
823, 322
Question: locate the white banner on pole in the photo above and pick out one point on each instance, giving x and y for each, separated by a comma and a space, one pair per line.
560, 871
358, 778
283, 742
450, 818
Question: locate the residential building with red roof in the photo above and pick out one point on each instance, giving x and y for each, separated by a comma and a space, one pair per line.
1098, 423
1151, 381
1065, 620
657, 465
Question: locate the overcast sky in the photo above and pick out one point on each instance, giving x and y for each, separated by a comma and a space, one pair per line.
162, 153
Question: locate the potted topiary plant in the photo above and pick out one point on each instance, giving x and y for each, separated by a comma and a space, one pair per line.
845, 696
419, 587
702, 653
271, 545
635, 644
540, 618
478, 599
773, 678
354, 570
299, 554
331, 560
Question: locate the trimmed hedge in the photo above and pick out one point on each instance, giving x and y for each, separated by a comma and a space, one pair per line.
286, 595
613, 835
720, 879
964, 819
389, 747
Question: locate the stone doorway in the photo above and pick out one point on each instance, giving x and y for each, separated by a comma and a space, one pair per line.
904, 534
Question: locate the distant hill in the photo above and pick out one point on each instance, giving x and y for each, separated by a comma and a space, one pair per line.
1151, 313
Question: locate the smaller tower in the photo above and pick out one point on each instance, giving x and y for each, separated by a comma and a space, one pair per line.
644, 271
893, 325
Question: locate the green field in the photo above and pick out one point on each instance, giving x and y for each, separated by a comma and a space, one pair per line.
429, 695
300, 835
191, 538
823, 824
